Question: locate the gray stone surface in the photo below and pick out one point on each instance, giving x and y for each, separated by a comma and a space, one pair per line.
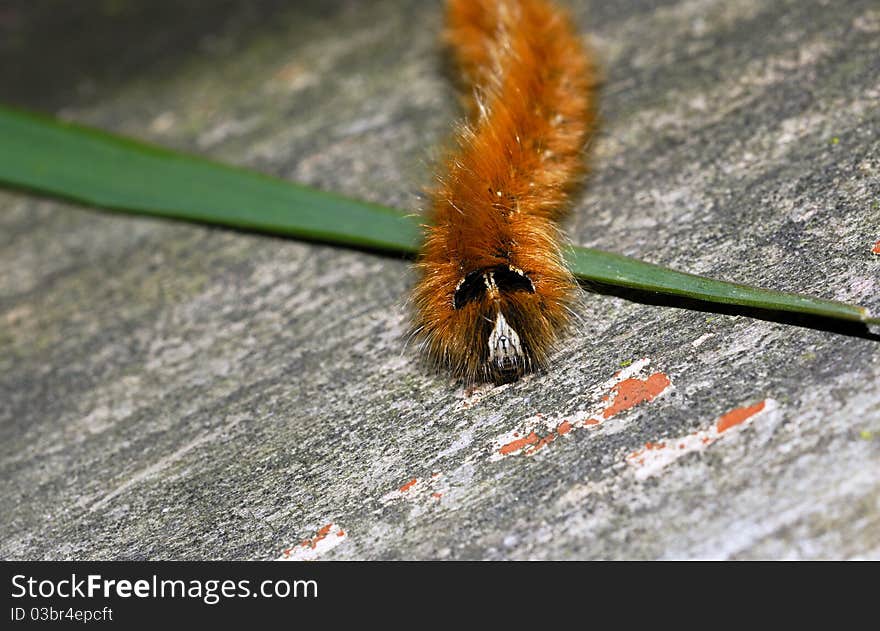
170, 391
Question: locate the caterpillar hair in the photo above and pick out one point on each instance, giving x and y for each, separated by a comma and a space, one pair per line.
493, 294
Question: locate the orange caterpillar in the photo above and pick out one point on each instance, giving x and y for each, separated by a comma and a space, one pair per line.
494, 292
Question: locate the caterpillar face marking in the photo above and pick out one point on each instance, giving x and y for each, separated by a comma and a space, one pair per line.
494, 280
506, 358
494, 295
505, 350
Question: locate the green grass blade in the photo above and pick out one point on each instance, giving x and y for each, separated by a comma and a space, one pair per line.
100, 169
96, 168
623, 271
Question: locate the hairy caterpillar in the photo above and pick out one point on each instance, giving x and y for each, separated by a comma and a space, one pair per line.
493, 293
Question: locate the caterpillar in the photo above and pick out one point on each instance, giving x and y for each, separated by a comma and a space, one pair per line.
493, 293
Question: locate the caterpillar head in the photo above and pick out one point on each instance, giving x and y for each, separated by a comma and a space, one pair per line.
493, 323
491, 290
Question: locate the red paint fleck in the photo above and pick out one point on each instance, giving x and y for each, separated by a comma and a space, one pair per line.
623, 396
437, 495
681, 445
537, 443
341, 533
737, 416
435, 474
631, 392
518, 444
406, 487
549, 438
322, 534
876, 248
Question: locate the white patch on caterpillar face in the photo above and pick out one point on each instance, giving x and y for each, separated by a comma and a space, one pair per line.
491, 287
504, 346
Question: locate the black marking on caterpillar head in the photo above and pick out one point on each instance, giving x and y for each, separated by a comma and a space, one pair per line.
500, 279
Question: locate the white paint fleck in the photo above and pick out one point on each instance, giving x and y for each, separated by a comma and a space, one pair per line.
163, 122
327, 538
697, 342
654, 457
464, 440
547, 427
868, 22
227, 129
416, 489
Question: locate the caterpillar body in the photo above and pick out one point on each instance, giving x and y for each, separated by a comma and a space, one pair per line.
493, 293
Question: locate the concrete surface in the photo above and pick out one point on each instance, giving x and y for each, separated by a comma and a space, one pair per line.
170, 391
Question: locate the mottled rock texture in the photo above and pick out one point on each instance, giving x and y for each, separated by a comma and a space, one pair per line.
170, 391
